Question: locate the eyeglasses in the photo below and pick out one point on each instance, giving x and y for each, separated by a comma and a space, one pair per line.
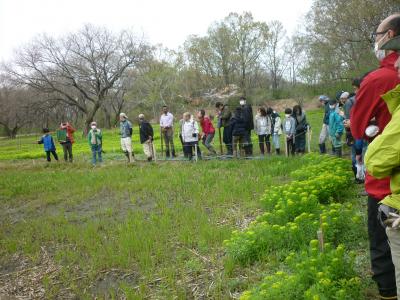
375, 34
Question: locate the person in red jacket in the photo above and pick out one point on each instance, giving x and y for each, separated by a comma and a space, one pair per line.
371, 109
208, 131
67, 144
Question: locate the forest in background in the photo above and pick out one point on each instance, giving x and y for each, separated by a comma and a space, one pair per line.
94, 73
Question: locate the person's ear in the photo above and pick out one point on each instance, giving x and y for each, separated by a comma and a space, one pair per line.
391, 33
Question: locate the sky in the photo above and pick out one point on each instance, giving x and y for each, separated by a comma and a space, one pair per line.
168, 22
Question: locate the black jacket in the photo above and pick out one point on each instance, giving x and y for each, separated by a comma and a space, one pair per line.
238, 126
247, 113
146, 131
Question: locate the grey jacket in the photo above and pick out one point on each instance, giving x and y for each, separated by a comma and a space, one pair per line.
289, 126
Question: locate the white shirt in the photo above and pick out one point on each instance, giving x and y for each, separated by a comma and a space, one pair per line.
166, 120
188, 129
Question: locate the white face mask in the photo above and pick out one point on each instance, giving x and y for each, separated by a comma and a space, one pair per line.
380, 54
287, 115
93, 127
242, 102
332, 106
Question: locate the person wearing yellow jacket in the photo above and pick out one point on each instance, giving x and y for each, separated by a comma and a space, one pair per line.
383, 159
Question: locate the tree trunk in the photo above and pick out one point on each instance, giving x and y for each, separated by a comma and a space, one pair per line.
90, 117
107, 118
11, 132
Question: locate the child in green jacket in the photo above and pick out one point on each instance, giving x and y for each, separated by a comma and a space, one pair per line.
95, 140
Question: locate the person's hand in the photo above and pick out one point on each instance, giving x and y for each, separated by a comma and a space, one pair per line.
394, 220
359, 158
337, 135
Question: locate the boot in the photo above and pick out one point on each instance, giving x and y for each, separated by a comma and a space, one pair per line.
268, 148
338, 151
278, 151
127, 155
322, 148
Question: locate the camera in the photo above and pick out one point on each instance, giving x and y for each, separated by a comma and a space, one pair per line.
194, 135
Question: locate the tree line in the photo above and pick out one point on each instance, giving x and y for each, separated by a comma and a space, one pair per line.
95, 73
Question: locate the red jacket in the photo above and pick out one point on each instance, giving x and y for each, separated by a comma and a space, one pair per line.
207, 126
70, 132
370, 105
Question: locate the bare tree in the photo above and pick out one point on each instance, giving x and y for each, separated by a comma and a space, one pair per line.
249, 41
275, 61
14, 107
80, 69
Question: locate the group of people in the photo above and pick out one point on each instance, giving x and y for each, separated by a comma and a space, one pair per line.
238, 125
368, 121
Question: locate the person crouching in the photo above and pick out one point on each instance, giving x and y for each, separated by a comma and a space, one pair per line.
146, 137
190, 135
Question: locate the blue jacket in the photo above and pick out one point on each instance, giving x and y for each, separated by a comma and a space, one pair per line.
125, 129
48, 142
335, 124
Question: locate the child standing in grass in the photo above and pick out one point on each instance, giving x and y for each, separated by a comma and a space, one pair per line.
336, 128
290, 130
48, 144
95, 139
68, 140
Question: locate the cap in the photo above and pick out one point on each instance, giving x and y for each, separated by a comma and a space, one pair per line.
323, 98
392, 44
93, 123
141, 116
123, 115
332, 102
344, 95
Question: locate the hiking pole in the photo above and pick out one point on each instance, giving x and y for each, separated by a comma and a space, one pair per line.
308, 139
286, 146
162, 142
153, 150
220, 141
195, 152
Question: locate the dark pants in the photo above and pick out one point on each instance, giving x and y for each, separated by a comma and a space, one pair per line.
381, 258
227, 139
290, 146
168, 135
188, 148
264, 138
300, 142
51, 152
67, 148
248, 146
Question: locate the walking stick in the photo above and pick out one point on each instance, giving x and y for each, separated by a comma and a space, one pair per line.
153, 150
286, 146
220, 141
308, 139
162, 142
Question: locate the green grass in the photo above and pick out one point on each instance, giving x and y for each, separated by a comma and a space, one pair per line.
139, 231
26, 147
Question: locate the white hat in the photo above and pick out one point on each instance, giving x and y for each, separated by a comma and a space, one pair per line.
93, 123
344, 95
371, 130
141, 116
123, 115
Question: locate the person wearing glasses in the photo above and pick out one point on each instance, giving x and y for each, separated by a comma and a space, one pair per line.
370, 106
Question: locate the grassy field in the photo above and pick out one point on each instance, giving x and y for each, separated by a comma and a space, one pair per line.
143, 231
26, 147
